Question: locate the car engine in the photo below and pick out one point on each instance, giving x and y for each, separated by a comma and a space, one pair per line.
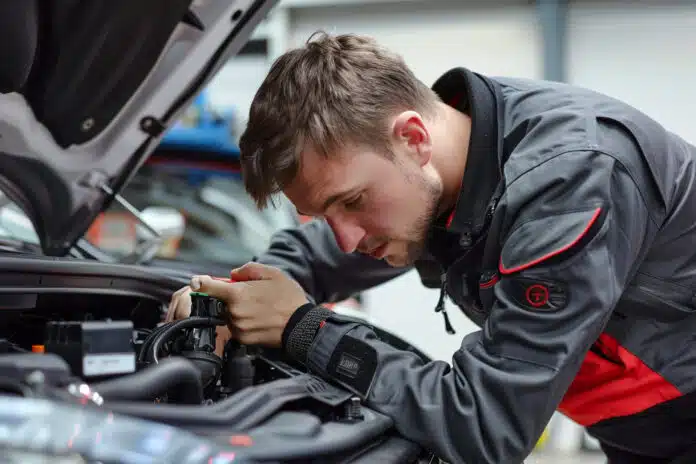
70, 377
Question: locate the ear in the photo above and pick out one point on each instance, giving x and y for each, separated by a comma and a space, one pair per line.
410, 132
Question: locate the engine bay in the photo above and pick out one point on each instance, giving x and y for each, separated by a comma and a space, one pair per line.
102, 356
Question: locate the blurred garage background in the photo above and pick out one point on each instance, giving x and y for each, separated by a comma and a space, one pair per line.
642, 52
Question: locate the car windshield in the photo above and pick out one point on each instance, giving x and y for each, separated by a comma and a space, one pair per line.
200, 209
14, 224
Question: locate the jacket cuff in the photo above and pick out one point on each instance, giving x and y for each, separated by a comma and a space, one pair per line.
301, 329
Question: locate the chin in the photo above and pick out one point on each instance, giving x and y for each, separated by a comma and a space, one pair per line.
403, 253
398, 261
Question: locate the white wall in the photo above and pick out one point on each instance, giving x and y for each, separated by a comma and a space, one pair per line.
432, 37
645, 55
235, 85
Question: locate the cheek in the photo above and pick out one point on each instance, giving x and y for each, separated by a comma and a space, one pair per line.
388, 215
393, 206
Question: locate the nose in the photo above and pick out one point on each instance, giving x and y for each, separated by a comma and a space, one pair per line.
348, 234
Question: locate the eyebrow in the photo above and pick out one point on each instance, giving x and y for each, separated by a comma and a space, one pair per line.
332, 199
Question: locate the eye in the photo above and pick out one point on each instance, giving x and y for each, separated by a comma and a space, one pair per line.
354, 203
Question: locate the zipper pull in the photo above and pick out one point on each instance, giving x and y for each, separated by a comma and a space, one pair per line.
440, 307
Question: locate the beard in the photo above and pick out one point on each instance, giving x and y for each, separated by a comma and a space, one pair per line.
415, 245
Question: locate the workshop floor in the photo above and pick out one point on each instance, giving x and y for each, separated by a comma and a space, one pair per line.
574, 458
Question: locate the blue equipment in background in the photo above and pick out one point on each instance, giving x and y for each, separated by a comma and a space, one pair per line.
202, 129
200, 144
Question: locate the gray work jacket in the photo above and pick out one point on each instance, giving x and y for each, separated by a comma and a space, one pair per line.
572, 246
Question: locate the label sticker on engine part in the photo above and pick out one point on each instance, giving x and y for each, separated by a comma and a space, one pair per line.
108, 364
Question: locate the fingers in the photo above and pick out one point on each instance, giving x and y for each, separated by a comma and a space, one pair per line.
179, 305
222, 336
255, 271
229, 292
233, 293
214, 287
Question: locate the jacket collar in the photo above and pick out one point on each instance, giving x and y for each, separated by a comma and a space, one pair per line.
481, 99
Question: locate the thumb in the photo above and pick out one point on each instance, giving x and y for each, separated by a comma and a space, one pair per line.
254, 271
213, 287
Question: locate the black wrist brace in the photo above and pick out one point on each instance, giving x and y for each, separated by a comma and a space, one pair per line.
301, 329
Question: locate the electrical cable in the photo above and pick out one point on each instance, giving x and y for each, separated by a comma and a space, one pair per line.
162, 337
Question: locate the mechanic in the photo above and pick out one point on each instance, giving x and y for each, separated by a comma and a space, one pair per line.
561, 221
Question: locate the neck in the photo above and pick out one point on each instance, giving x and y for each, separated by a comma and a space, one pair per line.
450, 136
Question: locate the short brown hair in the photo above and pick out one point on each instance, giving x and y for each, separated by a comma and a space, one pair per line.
333, 90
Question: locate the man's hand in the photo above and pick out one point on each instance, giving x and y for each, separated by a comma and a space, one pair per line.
179, 305
180, 308
260, 303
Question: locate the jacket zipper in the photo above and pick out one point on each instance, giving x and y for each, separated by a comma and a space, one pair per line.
440, 307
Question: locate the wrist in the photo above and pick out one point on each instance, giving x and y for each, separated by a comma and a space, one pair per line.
301, 329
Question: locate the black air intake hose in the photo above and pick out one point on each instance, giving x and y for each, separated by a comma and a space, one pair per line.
175, 376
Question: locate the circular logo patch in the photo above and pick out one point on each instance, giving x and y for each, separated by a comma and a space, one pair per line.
537, 295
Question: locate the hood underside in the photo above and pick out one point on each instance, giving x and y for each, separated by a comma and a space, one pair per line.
87, 89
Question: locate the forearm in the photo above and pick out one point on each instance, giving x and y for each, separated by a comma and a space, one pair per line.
432, 403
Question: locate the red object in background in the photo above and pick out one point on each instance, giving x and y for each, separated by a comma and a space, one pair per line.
114, 231
241, 440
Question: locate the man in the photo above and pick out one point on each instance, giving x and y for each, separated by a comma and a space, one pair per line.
559, 220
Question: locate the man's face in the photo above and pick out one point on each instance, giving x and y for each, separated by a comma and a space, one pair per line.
375, 205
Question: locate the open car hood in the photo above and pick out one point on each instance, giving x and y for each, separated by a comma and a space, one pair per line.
87, 89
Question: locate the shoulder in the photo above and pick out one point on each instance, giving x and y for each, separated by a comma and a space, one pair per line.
542, 119
560, 205
549, 130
